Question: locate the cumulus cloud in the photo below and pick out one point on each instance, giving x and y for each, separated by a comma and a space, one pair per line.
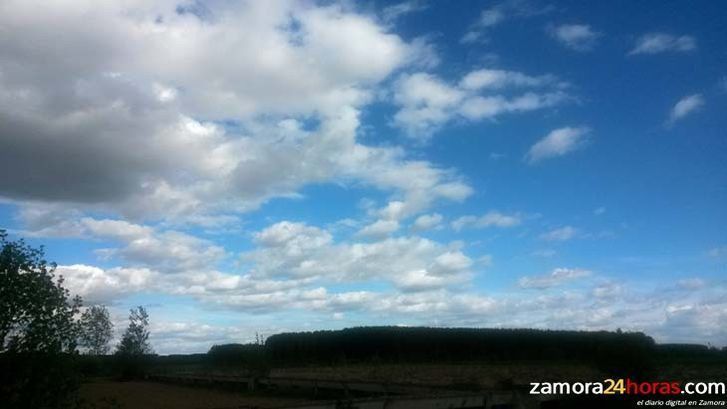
577, 37
297, 250
99, 286
139, 245
656, 43
427, 222
558, 142
107, 286
684, 107
118, 111
426, 102
489, 219
557, 277
560, 234
379, 228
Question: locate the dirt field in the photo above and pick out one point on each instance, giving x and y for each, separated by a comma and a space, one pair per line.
149, 395
478, 375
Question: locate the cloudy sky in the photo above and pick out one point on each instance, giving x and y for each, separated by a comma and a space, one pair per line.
243, 167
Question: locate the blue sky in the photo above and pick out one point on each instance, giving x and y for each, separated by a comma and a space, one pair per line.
244, 167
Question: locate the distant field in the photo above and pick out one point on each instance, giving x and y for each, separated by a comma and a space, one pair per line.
149, 395
476, 376
108, 394
470, 376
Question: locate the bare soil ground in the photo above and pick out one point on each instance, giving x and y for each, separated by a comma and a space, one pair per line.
150, 395
105, 394
476, 375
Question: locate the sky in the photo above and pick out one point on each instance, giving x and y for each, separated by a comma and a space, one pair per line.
259, 167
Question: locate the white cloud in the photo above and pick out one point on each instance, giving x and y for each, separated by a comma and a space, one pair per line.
427, 222
685, 106
557, 277
578, 37
608, 291
560, 234
427, 103
99, 286
299, 235
127, 92
140, 245
184, 337
499, 13
479, 107
296, 250
693, 283
655, 43
115, 229
168, 251
49, 220
497, 79
472, 36
491, 17
558, 142
379, 229
395, 11
489, 219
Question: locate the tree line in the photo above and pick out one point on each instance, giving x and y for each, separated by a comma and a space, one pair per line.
625, 352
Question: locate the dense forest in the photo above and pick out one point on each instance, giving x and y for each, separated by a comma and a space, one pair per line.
612, 351
619, 353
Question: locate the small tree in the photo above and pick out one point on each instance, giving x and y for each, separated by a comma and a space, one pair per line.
96, 330
135, 340
36, 312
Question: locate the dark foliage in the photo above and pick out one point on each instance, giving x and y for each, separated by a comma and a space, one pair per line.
131, 367
91, 366
133, 354
37, 331
675, 353
38, 380
96, 330
617, 353
250, 356
36, 312
135, 341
